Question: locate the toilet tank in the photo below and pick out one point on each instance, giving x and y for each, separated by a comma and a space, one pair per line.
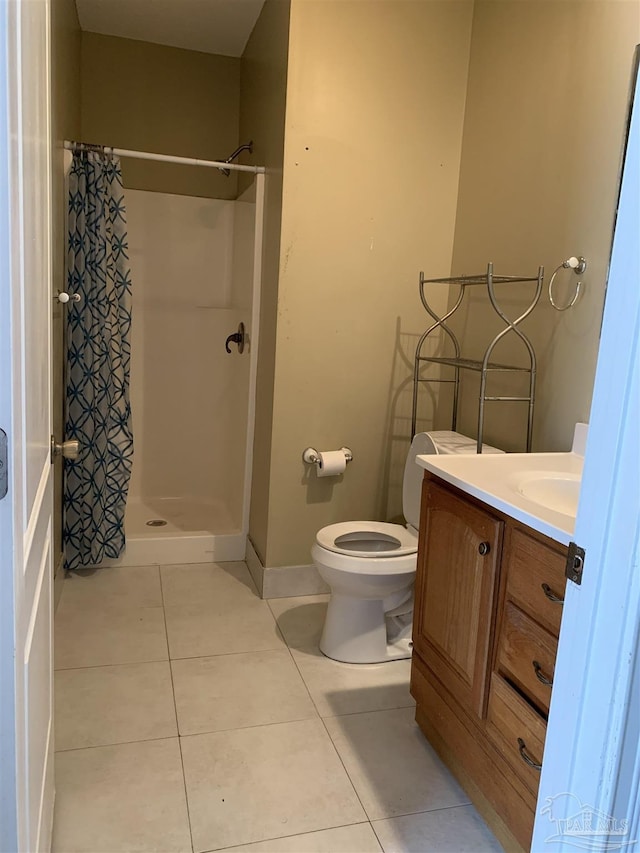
412, 481
437, 442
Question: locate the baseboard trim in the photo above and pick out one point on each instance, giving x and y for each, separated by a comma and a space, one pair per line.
283, 581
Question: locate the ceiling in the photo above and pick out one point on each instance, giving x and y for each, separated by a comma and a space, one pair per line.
211, 26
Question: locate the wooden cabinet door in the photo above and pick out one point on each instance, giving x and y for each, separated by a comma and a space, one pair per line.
455, 593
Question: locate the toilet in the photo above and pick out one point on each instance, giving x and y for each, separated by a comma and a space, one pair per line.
370, 567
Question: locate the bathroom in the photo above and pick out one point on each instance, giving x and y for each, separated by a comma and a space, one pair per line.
379, 166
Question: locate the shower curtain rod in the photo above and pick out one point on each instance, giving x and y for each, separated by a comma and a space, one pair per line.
166, 158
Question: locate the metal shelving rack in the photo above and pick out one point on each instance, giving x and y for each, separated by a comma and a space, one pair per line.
483, 366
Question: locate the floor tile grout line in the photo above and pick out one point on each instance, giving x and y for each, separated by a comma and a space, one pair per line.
369, 818
275, 620
109, 745
331, 716
102, 665
378, 839
282, 837
367, 711
295, 663
252, 726
425, 811
355, 790
103, 607
175, 710
404, 814
70, 573
281, 647
256, 726
276, 649
107, 665
227, 654
326, 730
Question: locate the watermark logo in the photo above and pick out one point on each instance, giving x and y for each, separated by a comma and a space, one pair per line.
583, 826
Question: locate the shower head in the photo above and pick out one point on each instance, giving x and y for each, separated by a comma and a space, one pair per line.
247, 147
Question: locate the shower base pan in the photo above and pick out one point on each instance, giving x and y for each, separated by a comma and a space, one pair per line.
178, 530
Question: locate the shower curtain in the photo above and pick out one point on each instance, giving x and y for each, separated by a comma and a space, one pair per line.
98, 412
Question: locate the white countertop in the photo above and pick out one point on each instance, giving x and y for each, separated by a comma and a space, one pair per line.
509, 481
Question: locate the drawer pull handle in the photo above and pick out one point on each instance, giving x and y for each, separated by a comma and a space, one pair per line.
522, 749
551, 594
484, 548
540, 674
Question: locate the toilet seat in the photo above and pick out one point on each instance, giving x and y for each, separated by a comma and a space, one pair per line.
368, 540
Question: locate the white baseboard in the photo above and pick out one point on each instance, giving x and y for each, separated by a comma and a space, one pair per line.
284, 581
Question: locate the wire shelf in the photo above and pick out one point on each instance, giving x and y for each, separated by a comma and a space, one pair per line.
483, 366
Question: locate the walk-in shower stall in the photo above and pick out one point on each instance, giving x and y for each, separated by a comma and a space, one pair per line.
193, 268
195, 272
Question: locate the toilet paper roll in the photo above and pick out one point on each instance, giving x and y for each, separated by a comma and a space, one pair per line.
332, 463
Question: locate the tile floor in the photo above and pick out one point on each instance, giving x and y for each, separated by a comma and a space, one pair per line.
192, 716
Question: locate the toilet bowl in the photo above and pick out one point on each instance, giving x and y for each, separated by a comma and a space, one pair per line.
370, 567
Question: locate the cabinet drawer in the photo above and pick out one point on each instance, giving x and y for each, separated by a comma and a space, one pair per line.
527, 655
516, 730
532, 568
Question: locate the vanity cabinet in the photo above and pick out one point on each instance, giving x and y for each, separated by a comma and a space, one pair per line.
455, 593
488, 605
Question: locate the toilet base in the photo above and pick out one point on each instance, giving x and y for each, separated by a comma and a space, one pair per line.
356, 631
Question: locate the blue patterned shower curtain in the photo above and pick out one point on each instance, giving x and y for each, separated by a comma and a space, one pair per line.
98, 412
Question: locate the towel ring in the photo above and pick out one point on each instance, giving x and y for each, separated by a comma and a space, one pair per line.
578, 265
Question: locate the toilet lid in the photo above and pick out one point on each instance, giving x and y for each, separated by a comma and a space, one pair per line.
369, 539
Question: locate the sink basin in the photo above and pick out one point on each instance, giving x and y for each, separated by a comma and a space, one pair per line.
556, 491
539, 489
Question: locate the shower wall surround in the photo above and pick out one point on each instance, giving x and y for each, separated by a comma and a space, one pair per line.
191, 262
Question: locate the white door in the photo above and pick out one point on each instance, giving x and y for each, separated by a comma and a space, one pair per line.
26, 736
589, 789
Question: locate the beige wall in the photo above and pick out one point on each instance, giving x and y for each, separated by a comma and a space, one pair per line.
149, 97
544, 124
65, 115
262, 110
375, 107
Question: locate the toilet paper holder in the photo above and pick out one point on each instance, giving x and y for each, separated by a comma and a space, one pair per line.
312, 457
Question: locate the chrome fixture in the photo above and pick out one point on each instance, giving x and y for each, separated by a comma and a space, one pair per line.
168, 158
63, 297
68, 449
485, 367
578, 265
311, 456
248, 147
